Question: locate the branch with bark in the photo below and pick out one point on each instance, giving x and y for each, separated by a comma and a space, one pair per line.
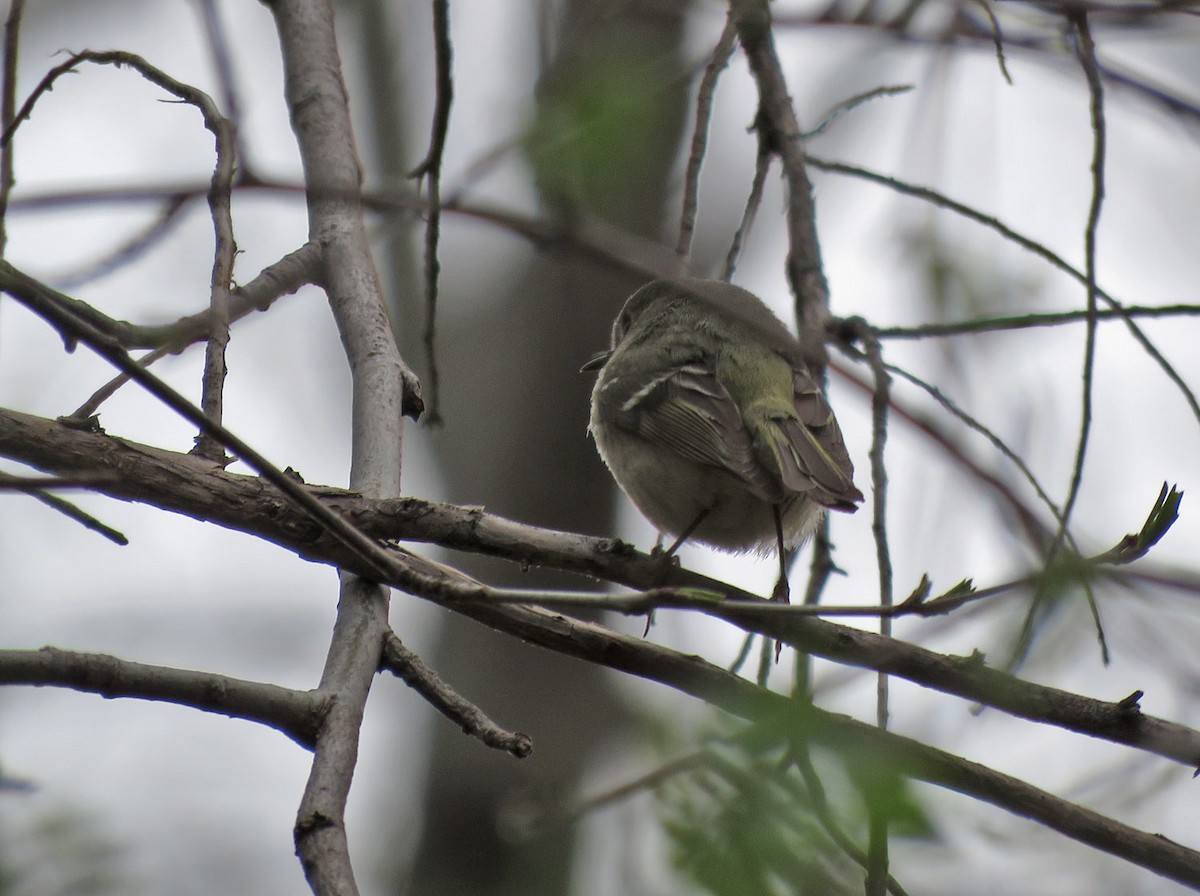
360, 530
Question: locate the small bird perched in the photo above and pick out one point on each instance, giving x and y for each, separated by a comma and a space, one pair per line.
706, 415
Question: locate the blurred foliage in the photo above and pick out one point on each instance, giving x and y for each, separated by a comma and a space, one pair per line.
747, 822
601, 115
957, 282
62, 851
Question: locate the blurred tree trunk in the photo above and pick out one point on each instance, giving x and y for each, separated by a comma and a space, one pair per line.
515, 409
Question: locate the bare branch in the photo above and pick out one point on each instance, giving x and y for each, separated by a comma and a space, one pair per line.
943, 201
413, 671
218, 46
430, 171
779, 133
1086, 51
8, 101
877, 849
762, 167
295, 713
156, 230
1034, 527
50, 305
36, 487
219, 200
1035, 319
282, 278
181, 484
704, 103
384, 389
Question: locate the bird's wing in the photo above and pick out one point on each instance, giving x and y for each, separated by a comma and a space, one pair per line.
809, 450
685, 409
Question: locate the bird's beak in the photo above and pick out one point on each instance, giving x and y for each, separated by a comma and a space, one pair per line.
597, 362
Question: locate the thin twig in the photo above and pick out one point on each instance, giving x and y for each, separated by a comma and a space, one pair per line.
8, 101
36, 487
220, 204
1036, 319
943, 201
820, 568
877, 826
1086, 52
743, 654
928, 427
430, 171
754, 199
997, 38
414, 672
218, 45
768, 656
281, 278
880, 403
762, 166
569, 813
130, 249
849, 105
704, 105
779, 133
88, 409
973, 423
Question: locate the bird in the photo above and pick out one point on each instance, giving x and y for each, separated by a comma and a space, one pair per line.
708, 418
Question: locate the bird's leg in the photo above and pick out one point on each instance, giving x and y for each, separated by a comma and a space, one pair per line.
666, 556
783, 592
683, 536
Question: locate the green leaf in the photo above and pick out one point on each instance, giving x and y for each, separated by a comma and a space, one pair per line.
600, 122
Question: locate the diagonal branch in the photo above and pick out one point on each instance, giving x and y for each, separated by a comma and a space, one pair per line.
241, 502
182, 484
942, 201
721, 55
66, 508
283, 277
780, 134
413, 671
